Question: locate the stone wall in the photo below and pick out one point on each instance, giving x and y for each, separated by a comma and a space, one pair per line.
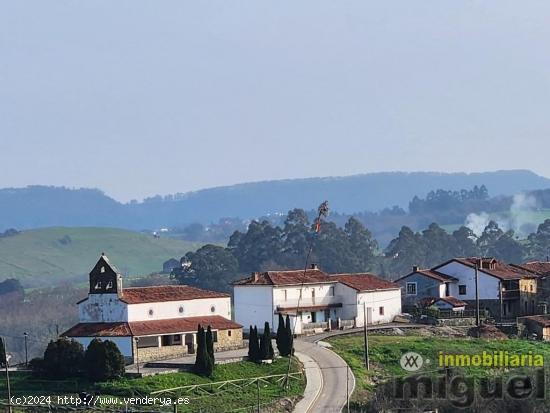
229, 339
160, 353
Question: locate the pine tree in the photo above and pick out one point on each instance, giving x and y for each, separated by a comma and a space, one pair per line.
210, 351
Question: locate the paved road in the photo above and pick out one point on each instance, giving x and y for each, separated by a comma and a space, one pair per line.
332, 398
335, 387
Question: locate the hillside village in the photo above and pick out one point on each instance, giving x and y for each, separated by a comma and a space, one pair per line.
158, 328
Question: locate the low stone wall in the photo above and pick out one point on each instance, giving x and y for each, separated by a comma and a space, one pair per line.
159, 353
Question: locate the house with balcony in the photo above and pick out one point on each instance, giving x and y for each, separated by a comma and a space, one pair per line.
151, 323
506, 291
314, 300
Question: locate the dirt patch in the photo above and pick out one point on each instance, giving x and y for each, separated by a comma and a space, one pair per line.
487, 331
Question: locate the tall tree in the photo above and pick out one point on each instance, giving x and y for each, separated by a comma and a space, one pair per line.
210, 267
210, 350
539, 242
266, 348
489, 237
289, 335
202, 365
282, 339
362, 245
2, 353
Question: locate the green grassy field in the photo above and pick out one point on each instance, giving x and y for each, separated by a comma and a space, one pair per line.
386, 351
229, 398
62, 252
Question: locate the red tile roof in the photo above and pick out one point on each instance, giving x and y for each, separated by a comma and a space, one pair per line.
290, 277
438, 276
160, 293
455, 302
492, 267
365, 282
98, 330
536, 267
152, 327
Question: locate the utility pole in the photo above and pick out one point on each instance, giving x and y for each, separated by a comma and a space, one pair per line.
477, 293
7, 375
366, 335
258, 391
137, 353
25, 334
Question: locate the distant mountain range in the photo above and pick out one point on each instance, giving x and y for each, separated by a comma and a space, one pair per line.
40, 206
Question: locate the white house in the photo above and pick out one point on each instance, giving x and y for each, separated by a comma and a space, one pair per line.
313, 299
151, 323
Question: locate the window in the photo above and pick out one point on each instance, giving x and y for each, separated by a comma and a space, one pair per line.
411, 288
102, 270
381, 310
229, 333
286, 295
213, 309
462, 289
331, 291
531, 287
151, 312
181, 309
98, 285
215, 336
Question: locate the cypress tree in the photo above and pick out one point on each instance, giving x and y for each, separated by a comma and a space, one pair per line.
2, 353
251, 346
201, 359
266, 348
256, 344
210, 351
281, 339
289, 336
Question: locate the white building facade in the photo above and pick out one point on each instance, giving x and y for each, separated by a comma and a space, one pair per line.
159, 322
314, 300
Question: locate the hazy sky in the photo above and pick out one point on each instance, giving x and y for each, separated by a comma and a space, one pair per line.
145, 97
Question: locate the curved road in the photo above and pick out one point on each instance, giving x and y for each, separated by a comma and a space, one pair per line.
334, 386
332, 398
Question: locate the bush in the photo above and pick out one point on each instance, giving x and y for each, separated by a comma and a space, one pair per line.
37, 366
63, 358
2, 353
103, 361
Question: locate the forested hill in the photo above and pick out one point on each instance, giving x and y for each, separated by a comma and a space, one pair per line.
39, 206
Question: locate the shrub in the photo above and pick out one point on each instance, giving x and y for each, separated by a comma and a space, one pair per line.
63, 358
103, 360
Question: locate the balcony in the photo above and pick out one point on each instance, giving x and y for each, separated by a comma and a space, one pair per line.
310, 303
510, 294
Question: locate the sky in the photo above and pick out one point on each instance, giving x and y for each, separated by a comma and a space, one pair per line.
154, 97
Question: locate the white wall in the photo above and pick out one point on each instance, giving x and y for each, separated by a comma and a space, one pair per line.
170, 309
124, 344
349, 302
390, 300
253, 305
322, 291
488, 285
100, 308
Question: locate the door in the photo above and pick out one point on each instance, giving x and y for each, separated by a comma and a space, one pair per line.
190, 343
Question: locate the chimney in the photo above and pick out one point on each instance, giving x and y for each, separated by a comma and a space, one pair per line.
314, 266
255, 277
415, 268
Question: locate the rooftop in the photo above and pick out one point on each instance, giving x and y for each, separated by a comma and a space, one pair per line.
290, 277
152, 327
492, 266
455, 302
365, 282
536, 267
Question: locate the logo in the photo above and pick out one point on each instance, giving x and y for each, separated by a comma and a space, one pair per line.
411, 361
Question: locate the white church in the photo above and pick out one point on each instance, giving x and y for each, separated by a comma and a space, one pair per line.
151, 323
